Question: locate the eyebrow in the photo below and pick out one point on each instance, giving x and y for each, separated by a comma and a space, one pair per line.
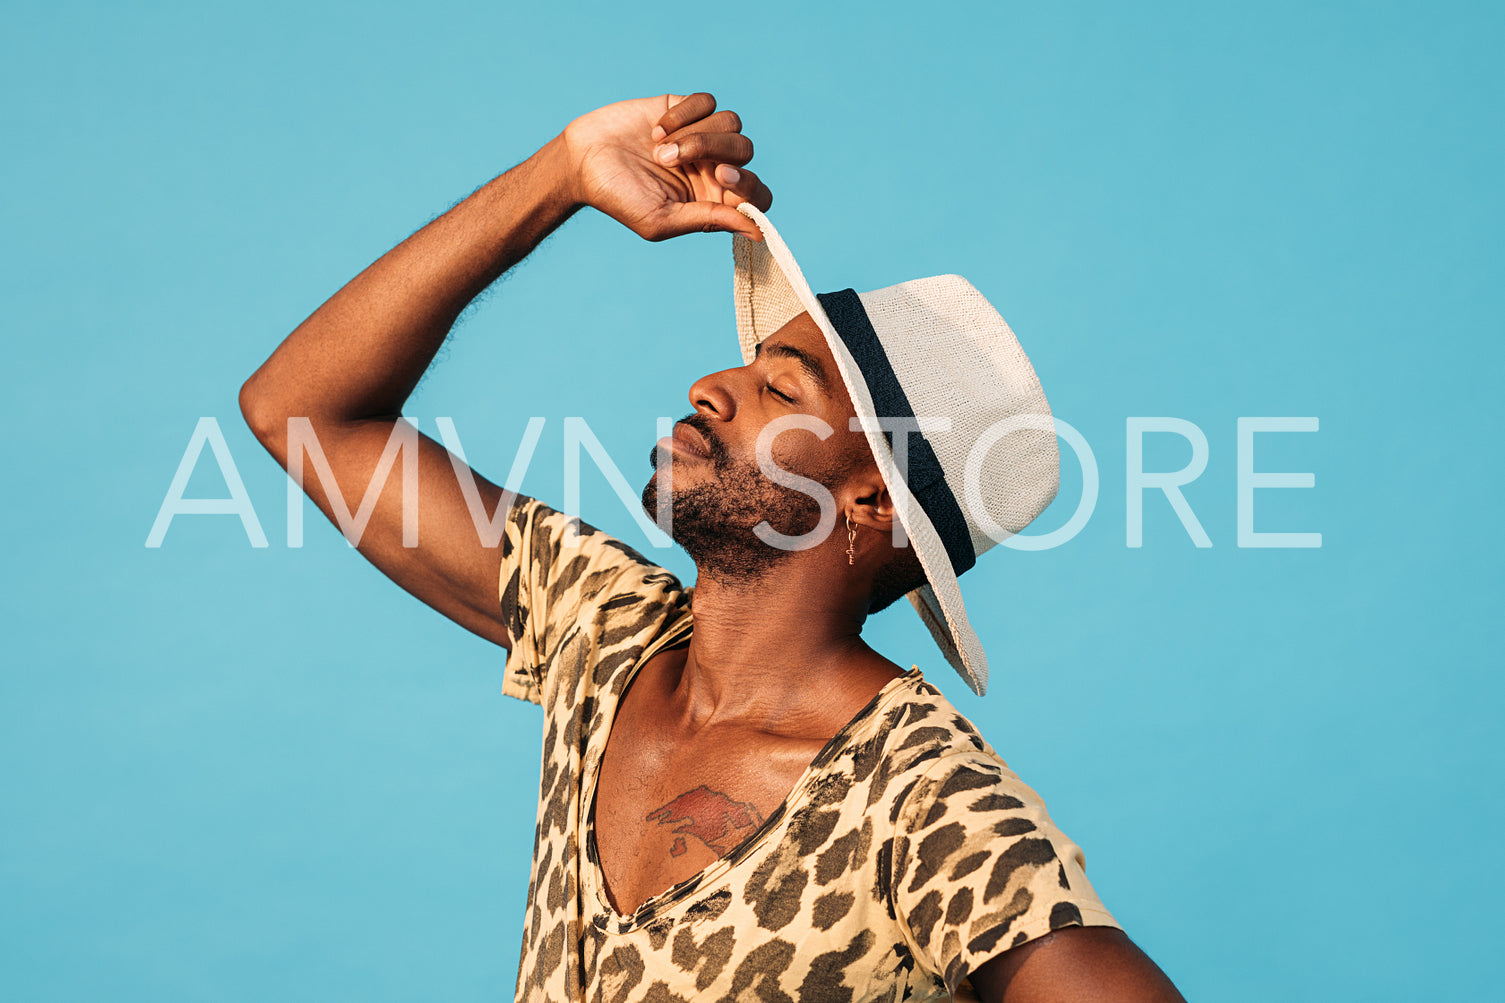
809, 363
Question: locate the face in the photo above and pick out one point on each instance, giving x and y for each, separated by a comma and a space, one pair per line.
719, 492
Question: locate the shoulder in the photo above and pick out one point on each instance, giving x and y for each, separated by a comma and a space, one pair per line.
946, 783
918, 758
566, 547
977, 865
920, 736
573, 595
550, 558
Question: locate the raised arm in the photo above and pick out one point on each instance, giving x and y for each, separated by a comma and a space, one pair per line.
662, 166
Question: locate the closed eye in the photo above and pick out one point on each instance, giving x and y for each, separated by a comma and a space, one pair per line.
779, 394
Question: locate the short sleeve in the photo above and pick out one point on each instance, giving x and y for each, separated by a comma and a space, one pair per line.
560, 576
979, 867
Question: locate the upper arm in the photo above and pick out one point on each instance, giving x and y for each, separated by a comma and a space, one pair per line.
447, 563
1075, 964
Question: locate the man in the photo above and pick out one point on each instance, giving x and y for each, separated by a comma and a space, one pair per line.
745, 801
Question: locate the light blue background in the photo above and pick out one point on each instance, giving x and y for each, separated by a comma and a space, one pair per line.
237, 774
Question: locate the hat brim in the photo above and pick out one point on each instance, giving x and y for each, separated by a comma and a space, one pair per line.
770, 290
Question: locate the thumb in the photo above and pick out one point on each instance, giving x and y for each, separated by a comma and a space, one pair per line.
706, 217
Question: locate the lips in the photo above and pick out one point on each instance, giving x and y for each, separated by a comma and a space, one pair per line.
691, 440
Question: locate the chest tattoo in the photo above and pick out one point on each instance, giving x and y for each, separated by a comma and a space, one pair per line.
711, 817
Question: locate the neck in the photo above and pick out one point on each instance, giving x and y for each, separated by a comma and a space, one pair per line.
785, 644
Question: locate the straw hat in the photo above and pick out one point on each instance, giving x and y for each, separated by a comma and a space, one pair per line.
932, 348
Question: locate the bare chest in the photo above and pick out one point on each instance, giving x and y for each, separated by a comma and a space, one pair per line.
667, 809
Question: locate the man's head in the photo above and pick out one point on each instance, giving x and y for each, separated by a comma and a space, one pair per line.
721, 493
953, 414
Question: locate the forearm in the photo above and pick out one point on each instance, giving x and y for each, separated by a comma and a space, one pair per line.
360, 354
350, 367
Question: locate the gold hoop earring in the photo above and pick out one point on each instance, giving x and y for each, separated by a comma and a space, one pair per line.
851, 542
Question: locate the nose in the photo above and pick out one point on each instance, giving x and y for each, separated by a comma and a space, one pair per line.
712, 395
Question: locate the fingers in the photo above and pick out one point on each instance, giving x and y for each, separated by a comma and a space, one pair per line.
682, 112
721, 121
693, 130
745, 186
709, 147
713, 139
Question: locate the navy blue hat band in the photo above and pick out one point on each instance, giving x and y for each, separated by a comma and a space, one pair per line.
925, 477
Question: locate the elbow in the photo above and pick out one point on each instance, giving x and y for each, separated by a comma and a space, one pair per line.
266, 421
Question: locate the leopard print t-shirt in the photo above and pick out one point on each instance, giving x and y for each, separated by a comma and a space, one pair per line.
907, 853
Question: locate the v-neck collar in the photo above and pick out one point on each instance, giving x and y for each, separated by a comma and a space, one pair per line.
605, 915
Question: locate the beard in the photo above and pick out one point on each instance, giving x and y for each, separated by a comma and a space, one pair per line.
713, 521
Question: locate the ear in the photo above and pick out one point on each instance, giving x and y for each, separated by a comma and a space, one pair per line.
870, 503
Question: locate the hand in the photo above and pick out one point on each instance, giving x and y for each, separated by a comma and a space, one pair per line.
666, 166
